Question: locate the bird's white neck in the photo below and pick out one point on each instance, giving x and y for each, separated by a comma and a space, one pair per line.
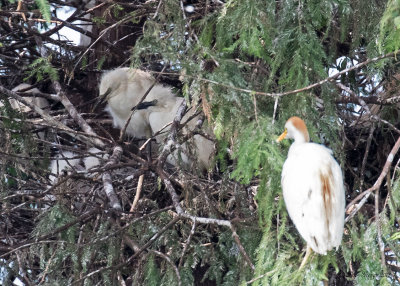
299, 137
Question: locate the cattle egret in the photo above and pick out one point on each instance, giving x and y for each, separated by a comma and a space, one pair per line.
162, 114
313, 190
93, 161
37, 100
123, 88
63, 162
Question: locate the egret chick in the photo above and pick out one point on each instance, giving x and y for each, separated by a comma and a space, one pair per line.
63, 162
123, 88
94, 161
313, 190
162, 114
37, 100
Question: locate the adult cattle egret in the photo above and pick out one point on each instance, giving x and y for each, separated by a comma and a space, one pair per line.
313, 190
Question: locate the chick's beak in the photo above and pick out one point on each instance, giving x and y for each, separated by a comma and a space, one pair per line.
282, 136
100, 99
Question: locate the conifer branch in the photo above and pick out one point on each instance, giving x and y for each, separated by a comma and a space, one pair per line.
306, 88
352, 208
143, 248
187, 243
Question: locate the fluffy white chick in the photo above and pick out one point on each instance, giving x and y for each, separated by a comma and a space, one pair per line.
162, 114
123, 88
37, 100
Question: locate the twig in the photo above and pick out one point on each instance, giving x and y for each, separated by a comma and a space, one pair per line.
143, 248
168, 259
187, 243
66, 102
311, 86
241, 248
366, 108
158, 8
183, 10
120, 279
137, 195
38, 110
42, 239
171, 139
175, 200
146, 216
102, 34
261, 276
255, 109
377, 184
154, 135
48, 264
381, 245
275, 109
107, 181
364, 161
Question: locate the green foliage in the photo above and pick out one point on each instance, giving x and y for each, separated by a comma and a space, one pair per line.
258, 152
56, 217
40, 68
272, 47
18, 141
389, 36
228, 55
44, 8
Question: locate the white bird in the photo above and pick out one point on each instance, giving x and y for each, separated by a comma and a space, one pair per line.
313, 190
63, 162
86, 25
164, 113
67, 161
124, 87
94, 160
37, 100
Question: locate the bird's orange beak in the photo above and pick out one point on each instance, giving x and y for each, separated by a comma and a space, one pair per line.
282, 136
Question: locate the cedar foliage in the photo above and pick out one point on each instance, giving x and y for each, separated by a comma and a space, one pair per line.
236, 57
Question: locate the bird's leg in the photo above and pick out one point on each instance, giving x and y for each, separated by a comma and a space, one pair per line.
308, 253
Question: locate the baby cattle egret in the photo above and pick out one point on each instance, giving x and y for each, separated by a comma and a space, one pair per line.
123, 88
93, 161
37, 100
63, 162
164, 113
313, 190
67, 161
